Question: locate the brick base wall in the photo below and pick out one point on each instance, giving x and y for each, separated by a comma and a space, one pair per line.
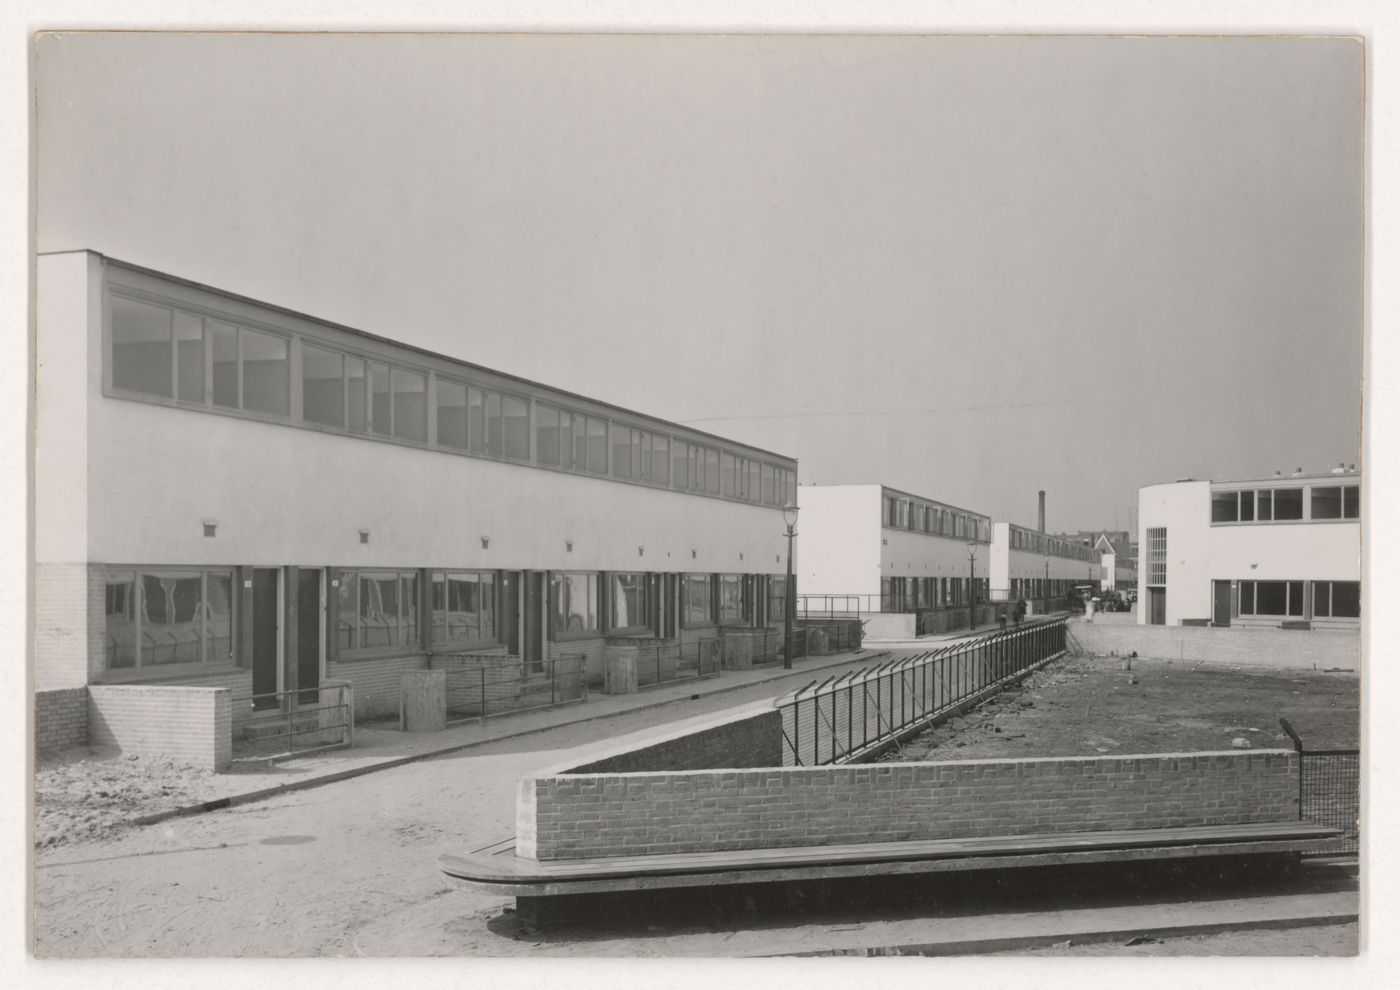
375, 682
595, 650
612, 814
191, 725
1266, 647
60, 719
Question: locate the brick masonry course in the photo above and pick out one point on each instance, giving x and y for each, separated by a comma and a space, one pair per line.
191, 725
611, 814
60, 719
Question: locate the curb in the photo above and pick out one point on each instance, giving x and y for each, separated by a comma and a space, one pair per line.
964, 947
263, 794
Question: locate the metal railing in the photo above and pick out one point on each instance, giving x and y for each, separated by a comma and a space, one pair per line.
479, 687
1329, 790
843, 717
667, 661
294, 723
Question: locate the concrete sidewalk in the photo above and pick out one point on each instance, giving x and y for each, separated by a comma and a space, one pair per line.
382, 748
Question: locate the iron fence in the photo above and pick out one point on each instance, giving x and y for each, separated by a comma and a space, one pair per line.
480, 687
281, 724
843, 717
1329, 790
667, 661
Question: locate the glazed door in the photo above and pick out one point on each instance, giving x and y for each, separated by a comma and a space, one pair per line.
267, 638
534, 618
310, 623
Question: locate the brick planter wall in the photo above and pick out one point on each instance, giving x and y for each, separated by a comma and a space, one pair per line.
60, 719
613, 814
191, 725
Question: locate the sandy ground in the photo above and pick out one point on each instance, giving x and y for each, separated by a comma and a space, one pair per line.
1083, 706
350, 869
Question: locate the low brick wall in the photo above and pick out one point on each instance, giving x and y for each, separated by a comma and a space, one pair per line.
376, 682
610, 814
749, 741
1288, 648
60, 719
191, 725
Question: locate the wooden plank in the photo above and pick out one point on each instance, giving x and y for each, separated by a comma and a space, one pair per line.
507, 869
639, 882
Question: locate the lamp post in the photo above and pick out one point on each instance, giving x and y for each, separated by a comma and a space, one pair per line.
972, 586
789, 599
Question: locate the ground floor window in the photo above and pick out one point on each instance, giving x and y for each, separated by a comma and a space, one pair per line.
629, 600
464, 607
574, 596
378, 609
696, 600
1271, 598
732, 603
1337, 599
777, 597
163, 617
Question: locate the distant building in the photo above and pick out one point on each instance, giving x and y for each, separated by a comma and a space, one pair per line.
1270, 552
1039, 567
875, 549
1117, 556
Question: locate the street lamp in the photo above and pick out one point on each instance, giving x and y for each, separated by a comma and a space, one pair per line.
789, 599
972, 586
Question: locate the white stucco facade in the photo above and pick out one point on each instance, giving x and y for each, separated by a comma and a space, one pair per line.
134, 487
1258, 570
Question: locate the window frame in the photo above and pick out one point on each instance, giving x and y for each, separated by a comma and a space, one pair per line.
560, 633
611, 591
448, 575
354, 576
691, 580
135, 606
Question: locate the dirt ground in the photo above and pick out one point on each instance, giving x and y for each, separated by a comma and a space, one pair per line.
87, 793
1087, 705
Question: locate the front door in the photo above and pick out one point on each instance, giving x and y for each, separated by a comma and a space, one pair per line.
267, 627
533, 645
1221, 615
1157, 606
310, 623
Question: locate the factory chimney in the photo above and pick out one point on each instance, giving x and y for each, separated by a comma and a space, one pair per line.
1042, 510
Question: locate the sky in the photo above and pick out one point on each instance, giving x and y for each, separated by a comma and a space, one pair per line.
967, 267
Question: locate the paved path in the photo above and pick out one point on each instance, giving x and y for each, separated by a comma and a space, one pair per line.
384, 748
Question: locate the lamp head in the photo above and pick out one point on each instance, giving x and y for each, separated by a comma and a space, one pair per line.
790, 514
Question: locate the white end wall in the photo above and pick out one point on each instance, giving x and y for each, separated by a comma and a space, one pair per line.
839, 534
999, 568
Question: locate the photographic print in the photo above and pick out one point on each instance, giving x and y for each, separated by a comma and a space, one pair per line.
714, 495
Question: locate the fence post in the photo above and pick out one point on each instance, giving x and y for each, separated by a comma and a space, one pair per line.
483, 693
